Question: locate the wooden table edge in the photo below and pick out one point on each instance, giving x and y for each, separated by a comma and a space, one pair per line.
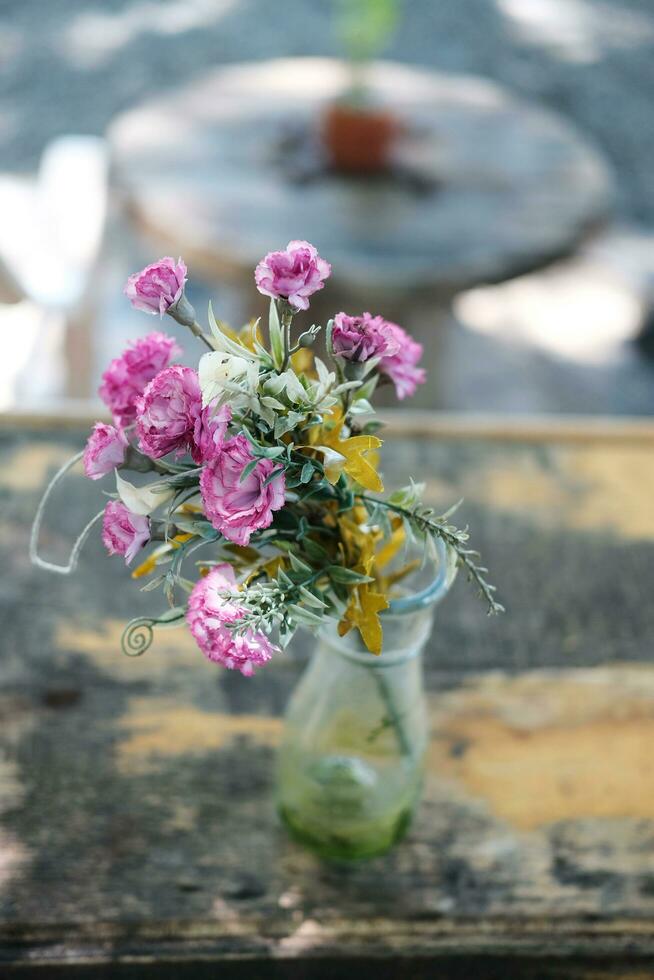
558, 429
482, 944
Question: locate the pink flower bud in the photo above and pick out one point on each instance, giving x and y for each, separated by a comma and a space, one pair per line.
105, 450
239, 507
157, 287
294, 274
360, 338
401, 367
208, 614
123, 532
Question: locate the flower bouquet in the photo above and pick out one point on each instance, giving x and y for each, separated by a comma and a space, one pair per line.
262, 466
256, 492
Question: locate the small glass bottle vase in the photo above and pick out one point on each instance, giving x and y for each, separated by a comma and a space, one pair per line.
350, 766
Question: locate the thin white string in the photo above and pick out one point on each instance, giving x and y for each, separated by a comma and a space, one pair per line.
38, 519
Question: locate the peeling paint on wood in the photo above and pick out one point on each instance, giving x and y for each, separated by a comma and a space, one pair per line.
162, 728
550, 746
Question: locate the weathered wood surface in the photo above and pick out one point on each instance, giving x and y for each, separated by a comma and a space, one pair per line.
228, 167
137, 833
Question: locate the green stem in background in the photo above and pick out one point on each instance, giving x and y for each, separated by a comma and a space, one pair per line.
394, 715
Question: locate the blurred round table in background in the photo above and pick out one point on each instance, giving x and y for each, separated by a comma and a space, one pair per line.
482, 187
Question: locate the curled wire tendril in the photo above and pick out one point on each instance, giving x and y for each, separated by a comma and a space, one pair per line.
35, 558
137, 636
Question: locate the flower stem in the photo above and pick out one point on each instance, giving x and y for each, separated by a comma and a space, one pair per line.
197, 330
393, 714
287, 319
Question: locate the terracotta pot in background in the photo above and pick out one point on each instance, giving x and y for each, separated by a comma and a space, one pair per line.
358, 140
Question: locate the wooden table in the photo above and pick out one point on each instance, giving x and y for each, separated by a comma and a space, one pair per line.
137, 833
483, 186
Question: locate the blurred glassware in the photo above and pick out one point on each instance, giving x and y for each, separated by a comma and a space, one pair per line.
351, 763
50, 239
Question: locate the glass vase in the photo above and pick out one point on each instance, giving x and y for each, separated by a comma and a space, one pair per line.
350, 765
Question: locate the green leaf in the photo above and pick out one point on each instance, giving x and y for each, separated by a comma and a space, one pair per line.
307, 472
365, 392
284, 580
361, 407
249, 468
170, 616
198, 525
153, 584
314, 550
273, 476
346, 576
297, 565
304, 616
451, 510
312, 599
286, 634
262, 452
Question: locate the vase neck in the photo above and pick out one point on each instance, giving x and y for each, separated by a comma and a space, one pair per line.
404, 639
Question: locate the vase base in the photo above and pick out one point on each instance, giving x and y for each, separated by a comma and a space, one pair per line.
364, 844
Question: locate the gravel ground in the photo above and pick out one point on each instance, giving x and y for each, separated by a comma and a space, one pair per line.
71, 65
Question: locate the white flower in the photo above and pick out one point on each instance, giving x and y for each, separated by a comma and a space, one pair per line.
142, 500
223, 374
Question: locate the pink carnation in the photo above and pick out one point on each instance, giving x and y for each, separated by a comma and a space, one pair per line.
123, 532
238, 507
170, 417
209, 432
157, 287
105, 450
126, 377
360, 338
294, 274
208, 615
167, 411
401, 366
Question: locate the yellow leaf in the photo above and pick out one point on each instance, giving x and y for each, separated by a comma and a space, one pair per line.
302, 361
190, 509
270, 567
246, 336
150, 562
146, 566
244, 553
362, 612
386, 582
180, 539
352, 450
392, 546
